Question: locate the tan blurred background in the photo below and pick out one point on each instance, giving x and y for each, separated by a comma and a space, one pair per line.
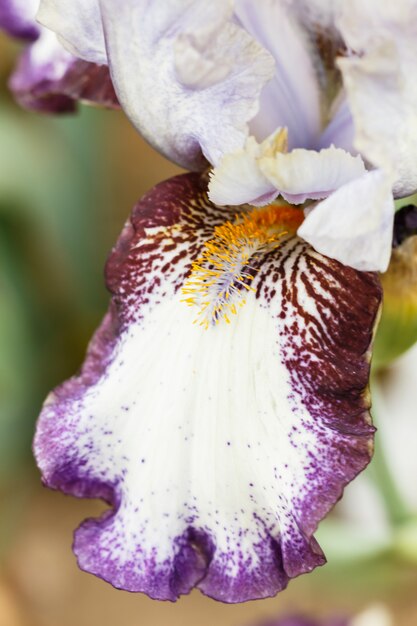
66, 187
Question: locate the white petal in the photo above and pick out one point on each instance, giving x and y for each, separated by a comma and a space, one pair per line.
238, 179
292, 97
189, 81
303, 174
78, 26
354, 225
380, 82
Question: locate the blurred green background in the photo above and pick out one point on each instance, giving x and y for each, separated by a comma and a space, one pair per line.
66, 187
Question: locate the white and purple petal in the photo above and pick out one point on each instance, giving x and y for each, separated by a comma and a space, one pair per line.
220, 445
17, 18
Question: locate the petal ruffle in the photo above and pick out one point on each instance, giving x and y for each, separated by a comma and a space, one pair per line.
260, 172
220, 449
16, 18
187, 76
354, 225
379, 82
306, 174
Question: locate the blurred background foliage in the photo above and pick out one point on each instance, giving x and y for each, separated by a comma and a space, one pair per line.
66, 187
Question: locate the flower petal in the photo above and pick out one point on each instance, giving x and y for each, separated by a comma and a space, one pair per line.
292, 97
340, 131
206, 72
50, 79
17, 18
303, 174
379, 81
78, 26
354, 225
220, 449
238, 179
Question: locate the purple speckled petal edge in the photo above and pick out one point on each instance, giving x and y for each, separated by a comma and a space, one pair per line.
275, 480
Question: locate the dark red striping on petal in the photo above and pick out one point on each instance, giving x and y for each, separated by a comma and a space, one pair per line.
325, 315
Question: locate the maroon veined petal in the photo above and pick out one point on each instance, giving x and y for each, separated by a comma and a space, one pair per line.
220, 432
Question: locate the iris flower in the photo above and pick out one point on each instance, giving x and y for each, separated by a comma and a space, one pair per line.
223, 404
313, 100
47, 77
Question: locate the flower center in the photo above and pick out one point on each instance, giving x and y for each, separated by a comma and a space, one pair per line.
222, 276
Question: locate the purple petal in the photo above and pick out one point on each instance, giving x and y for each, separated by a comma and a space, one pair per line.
220, 446
17, 18
49, 79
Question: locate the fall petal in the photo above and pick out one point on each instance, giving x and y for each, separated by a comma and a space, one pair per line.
220, 432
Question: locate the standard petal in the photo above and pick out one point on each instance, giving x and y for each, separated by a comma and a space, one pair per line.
292, 97
340, 131
354, 225
220, 444
50, 79
303, 174
379, 81
17, 18
188, 80
78, 26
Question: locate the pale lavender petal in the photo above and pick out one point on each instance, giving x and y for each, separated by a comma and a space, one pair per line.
187, 76
220, 446
379, 80
17, 18
292, 97
340, 131
78, 26
149, 46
